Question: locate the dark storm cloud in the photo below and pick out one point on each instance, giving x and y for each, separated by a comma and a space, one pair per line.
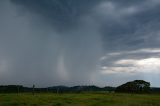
133, 24
62, 13
129, 26
33, 50
56, 42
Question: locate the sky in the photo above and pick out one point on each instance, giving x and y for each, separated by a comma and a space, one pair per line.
79, 42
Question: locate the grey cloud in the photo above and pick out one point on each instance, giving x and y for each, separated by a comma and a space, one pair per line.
110, 58
32, 50
130, 31
53, 42
136, 64
62, 13
129, 26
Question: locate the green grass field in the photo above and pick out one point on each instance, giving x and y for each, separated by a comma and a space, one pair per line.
82, 99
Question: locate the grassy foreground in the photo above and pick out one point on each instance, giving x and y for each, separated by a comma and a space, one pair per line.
82, 99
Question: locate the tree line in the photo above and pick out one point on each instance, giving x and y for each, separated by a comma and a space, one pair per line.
136, 86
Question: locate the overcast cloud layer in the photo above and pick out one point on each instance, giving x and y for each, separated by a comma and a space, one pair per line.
75, 42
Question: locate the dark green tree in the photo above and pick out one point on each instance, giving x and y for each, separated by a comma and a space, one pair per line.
137, 86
